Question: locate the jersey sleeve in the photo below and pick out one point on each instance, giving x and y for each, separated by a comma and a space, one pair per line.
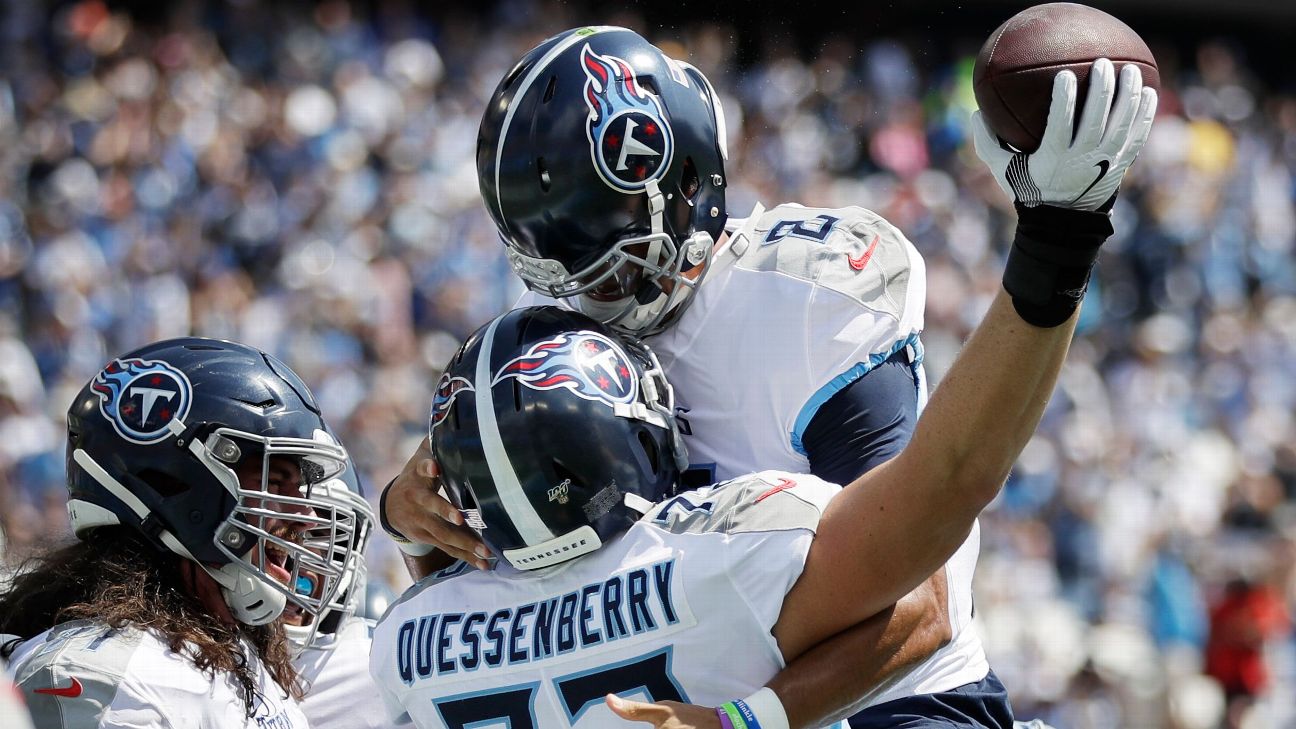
855, 291
769, 519
865, 424
70, 678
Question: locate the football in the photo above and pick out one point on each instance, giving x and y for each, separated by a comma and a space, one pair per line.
1013, 76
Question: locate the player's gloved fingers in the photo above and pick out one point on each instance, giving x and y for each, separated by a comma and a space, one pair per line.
1142, 126
1057, 131
991, 152
1129, 98
1093, 119
986, 143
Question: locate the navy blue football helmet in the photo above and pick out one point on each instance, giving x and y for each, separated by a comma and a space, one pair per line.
602, 162
553, 435
157, 441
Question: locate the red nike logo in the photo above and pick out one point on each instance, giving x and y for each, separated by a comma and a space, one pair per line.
71, 692
859, 262
784, 485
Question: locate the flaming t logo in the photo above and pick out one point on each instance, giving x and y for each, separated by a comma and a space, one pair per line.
585, 362
140, 397
630, 140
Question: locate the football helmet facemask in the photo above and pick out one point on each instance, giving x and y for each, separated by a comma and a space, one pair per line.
347, 542
188, 441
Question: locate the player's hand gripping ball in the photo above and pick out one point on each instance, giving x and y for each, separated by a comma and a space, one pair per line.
1080, 161
1015, 70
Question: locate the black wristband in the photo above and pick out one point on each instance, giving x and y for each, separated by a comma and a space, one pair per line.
382, 516
1050, 261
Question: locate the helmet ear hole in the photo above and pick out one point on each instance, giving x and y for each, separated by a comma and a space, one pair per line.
690, 183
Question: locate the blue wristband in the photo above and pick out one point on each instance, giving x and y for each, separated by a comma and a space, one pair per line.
745, 711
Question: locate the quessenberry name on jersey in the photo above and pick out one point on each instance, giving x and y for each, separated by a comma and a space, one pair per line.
636, 603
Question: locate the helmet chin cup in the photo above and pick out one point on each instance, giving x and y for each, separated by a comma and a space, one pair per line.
250, 600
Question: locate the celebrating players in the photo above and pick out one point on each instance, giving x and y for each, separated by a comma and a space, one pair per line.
791, 336
767, 257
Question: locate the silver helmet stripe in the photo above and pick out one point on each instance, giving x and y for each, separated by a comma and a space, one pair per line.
528, 523
529, 79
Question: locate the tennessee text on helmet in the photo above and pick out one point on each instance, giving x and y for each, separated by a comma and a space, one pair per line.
553, 435
154, 441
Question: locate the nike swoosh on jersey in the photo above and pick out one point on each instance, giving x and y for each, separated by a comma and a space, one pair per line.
1102, 172
859, 262
784, 483
70, 692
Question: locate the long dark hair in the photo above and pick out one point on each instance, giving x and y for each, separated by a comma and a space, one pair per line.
113, 576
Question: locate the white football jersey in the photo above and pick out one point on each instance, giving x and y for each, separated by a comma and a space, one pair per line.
340, 694
85, 675
679, 607
799, 303
12, 709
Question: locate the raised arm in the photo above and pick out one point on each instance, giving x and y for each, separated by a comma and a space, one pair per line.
890, 529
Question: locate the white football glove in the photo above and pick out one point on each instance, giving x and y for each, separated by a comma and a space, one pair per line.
1081, 173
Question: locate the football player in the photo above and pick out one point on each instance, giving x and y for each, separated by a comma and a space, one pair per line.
332, 656
191, 464
791, 335
822, 300
558, 445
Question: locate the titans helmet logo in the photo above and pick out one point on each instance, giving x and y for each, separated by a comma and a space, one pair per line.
630, 139
588, 364
447, 389
141, 397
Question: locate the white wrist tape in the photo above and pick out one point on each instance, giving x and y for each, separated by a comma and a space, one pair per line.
768, 709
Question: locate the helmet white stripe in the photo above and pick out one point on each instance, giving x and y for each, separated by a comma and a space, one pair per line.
522, 87
516, 504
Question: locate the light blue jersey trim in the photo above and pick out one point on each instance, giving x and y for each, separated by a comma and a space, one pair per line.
839, 383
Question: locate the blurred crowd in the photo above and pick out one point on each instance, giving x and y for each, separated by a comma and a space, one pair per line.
302, 180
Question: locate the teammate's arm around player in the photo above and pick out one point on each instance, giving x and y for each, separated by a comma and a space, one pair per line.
896, 524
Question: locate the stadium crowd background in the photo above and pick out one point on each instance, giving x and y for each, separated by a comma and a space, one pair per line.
301, 179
